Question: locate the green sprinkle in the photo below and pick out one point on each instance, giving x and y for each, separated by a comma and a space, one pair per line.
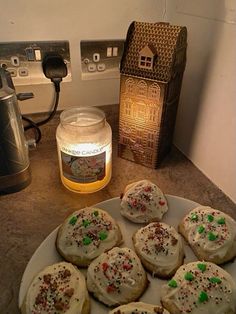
215, 280
200, 229
221, 221
194, 217
87, 240
210, 218
212, 236
73, 220
102, 235
172, 283
202, 297
86, 223
201, 267
188, 276
95, 213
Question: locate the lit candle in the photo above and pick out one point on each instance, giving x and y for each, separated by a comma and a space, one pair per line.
84, 149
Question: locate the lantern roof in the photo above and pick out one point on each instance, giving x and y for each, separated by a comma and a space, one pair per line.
161, 41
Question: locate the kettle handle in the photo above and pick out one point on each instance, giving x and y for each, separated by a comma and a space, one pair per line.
5, 79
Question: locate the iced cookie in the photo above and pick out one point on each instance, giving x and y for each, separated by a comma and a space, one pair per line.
210, 233
86, 234
116, 277
200, 287
143, 202
160, 248
139, 307
59, 288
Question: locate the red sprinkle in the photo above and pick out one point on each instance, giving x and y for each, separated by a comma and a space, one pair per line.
162, 203
111, 288
127, 266
105, 266
143, 208
147, 189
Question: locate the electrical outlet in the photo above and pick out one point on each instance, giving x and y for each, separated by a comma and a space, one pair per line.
100, 59
24, 60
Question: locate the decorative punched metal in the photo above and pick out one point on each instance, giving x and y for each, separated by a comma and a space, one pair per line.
152, 67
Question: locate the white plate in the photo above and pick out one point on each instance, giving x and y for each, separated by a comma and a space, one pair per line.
46, 253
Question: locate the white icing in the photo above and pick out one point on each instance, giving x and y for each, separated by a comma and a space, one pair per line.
221, 296
116, 277
160, 245
138, 308
143, 201
225, 233
88, 225
75, 281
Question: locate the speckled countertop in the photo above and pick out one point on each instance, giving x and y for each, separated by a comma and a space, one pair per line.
27, 217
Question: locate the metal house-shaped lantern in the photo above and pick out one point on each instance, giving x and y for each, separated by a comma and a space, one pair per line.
152, 68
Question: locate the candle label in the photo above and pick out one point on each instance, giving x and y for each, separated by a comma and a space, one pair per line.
84, 169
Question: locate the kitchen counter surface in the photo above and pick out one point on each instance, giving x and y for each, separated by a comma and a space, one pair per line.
27, 217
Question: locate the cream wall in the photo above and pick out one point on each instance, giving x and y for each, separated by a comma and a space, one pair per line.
73, 20
206, 122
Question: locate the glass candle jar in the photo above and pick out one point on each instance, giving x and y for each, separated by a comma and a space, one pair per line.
84, 143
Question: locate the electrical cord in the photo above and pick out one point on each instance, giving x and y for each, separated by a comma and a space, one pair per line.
36, 125
55, 69
33, 125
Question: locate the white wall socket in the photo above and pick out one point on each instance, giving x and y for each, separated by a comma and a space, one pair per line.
100, 59
24, 60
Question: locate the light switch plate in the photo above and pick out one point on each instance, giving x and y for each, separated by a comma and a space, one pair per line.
24, 60
100, 59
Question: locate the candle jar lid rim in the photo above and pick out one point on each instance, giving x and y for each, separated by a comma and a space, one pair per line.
68, 115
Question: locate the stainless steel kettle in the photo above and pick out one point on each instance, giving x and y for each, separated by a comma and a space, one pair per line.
14, 160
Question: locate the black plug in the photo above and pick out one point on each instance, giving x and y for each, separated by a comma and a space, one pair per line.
54, 68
